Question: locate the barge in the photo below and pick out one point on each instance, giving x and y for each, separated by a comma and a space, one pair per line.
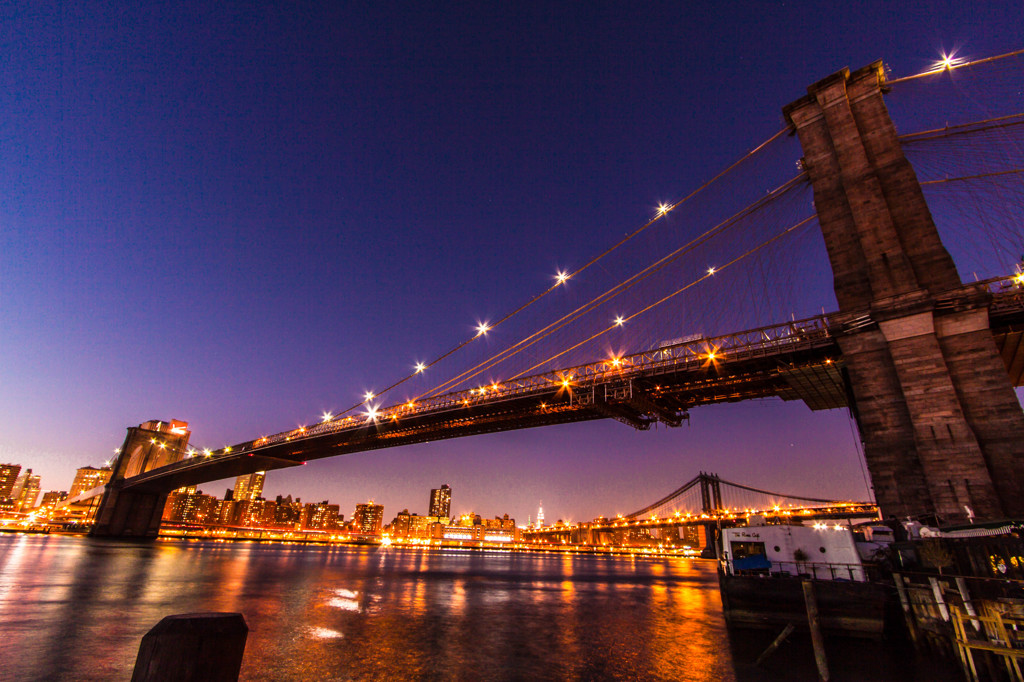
763, 568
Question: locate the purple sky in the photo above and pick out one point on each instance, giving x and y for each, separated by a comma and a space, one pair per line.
242, 216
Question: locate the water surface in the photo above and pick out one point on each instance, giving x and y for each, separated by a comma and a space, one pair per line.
76, 609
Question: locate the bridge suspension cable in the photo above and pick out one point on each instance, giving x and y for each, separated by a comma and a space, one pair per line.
661, 213
621, 287
713, 499
675, 293
951, 64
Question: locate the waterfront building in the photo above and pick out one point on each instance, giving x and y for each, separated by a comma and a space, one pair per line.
400, 525
87, 478
321, 516
8, 477
441, 501
500, 523
470, 519
369, 518
268, 514
477, 533
19, 485
540, 515
288, 513
419, 526
226, 513
189, 508
51, 498
29, 492
249, 486
690, 536
246, 512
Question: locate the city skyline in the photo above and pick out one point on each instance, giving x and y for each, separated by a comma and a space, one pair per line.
248, 234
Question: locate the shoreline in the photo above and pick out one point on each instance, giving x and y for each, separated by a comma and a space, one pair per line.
462, 546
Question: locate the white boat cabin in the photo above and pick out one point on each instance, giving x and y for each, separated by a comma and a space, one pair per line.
823, 552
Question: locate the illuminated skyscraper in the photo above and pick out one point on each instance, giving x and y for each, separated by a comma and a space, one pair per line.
88, 478
540, 515
8, 476
369, 518
441, 501
29, 492
249, 486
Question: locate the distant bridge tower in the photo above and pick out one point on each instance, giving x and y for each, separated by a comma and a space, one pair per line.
710, 492
941, 424
133, 513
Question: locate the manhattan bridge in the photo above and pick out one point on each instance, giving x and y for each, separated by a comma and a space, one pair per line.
908, 188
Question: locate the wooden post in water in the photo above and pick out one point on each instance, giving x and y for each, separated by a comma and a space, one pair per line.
786, 632
816, 639
908, 609
193, 647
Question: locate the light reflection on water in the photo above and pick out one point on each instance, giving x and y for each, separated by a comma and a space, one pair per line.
74, 608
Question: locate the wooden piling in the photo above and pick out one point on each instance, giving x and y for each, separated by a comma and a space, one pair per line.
908, 611
816, 638
193, 647
786, 632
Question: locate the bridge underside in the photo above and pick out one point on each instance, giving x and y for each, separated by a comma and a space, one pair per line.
810, 369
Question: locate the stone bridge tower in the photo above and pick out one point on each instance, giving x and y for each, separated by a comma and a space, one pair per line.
132, 513
940, 422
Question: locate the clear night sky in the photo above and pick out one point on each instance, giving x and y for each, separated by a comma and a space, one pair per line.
245, 214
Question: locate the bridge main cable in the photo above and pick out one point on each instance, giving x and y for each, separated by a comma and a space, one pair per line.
625, 285
660, 214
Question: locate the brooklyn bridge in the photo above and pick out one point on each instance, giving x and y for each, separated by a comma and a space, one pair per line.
925, 358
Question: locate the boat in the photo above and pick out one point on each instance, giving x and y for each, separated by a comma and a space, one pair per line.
763, 568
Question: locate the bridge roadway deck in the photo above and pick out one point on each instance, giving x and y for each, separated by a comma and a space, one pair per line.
839, 511
796, 360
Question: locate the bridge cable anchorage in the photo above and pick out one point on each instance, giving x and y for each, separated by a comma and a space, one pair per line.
565, 276
953, 67
623, 286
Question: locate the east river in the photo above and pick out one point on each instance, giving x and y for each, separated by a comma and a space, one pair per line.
73, 608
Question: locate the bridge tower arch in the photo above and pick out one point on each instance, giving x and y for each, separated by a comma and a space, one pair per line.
942, 429
135, 513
